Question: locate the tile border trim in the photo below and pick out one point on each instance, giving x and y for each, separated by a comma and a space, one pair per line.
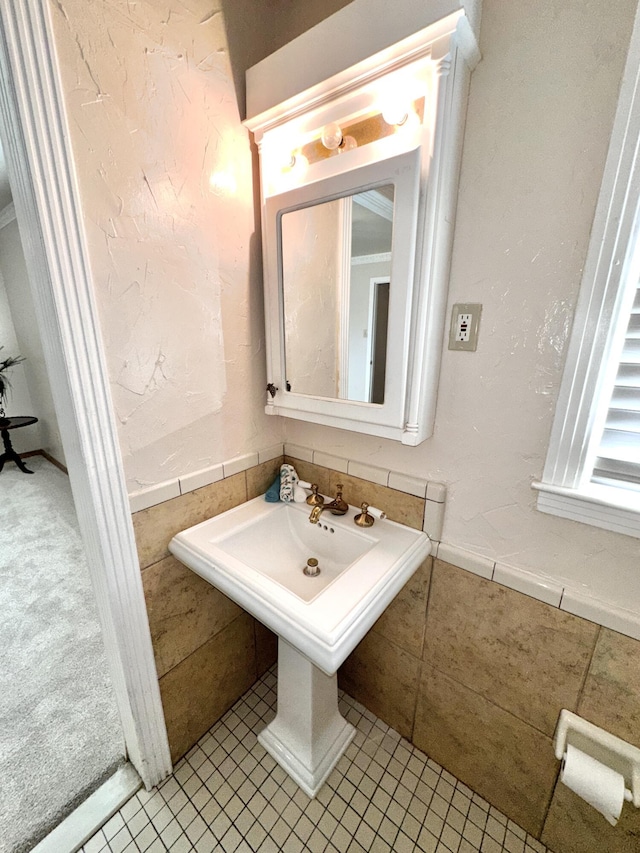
432, 493
160, 492
543, 589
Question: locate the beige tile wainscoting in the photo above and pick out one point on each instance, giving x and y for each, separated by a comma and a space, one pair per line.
470, 671
208, 650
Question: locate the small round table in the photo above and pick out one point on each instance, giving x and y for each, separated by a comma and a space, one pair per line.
9, 454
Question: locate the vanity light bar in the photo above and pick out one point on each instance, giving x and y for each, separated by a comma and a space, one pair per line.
365, 130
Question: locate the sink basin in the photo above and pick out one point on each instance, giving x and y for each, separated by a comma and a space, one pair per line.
256, 554
278, 539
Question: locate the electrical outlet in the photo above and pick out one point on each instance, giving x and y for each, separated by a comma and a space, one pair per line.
463, 326
465, 319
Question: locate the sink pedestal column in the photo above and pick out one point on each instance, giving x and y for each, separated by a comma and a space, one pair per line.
308, 735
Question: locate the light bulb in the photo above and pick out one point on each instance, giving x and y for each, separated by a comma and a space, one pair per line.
348, 144
395, 113
295, 164
300, 164
332, 136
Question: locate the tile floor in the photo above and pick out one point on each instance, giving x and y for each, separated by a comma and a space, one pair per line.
227, 794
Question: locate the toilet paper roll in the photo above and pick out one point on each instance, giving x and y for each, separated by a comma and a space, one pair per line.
599, 785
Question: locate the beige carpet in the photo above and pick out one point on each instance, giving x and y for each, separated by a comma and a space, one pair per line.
60, 734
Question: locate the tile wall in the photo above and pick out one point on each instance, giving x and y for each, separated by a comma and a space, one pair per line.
472, 672
208, 650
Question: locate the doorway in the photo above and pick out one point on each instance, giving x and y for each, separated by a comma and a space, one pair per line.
35, 137
62, 733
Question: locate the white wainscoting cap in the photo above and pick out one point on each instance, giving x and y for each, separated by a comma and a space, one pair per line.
602, 613
433, 520
436, 492
466, 560
157, 494
528, 583
405, 483
298, 452
239, 463
328, 460
369, 472
198, 479
270, 453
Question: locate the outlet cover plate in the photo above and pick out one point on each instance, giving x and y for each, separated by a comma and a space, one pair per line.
465, 320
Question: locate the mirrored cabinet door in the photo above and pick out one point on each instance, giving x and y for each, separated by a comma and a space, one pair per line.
340, 260
336, 280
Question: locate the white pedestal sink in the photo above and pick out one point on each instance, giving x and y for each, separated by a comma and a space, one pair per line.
255, 554
309, 734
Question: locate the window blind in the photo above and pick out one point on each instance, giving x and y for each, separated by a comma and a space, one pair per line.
618, 454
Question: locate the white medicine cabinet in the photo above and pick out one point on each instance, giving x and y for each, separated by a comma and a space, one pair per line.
358, 177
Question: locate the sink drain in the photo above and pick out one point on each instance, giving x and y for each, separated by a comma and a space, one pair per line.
311, 570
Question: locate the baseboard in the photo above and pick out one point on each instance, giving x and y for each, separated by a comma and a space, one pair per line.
47, 456
93, 813
55, 462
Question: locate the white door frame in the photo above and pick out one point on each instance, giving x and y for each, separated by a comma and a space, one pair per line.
34, 132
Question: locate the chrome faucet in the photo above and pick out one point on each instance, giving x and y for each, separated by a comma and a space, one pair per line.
338, 506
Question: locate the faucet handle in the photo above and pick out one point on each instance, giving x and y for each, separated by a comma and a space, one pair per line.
363, 519
338, 505
314, 498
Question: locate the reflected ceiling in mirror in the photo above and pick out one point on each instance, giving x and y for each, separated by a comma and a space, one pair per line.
336, 284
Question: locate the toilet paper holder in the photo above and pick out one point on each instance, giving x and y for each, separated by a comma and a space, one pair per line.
602, 746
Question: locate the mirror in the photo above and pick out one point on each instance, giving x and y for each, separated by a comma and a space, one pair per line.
340, 262
336, 284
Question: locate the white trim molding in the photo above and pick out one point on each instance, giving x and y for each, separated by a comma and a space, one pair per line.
83, 823
566, 489
597, 505
36, 138
379, 258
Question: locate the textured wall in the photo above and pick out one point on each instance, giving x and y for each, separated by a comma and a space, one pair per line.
165, 177
540, 114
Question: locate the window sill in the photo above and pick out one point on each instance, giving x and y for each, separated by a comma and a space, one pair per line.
601, 506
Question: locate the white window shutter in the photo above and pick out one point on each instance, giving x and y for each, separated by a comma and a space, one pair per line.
618, 454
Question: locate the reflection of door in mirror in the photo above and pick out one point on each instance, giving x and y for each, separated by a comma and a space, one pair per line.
378, 339
331, 252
